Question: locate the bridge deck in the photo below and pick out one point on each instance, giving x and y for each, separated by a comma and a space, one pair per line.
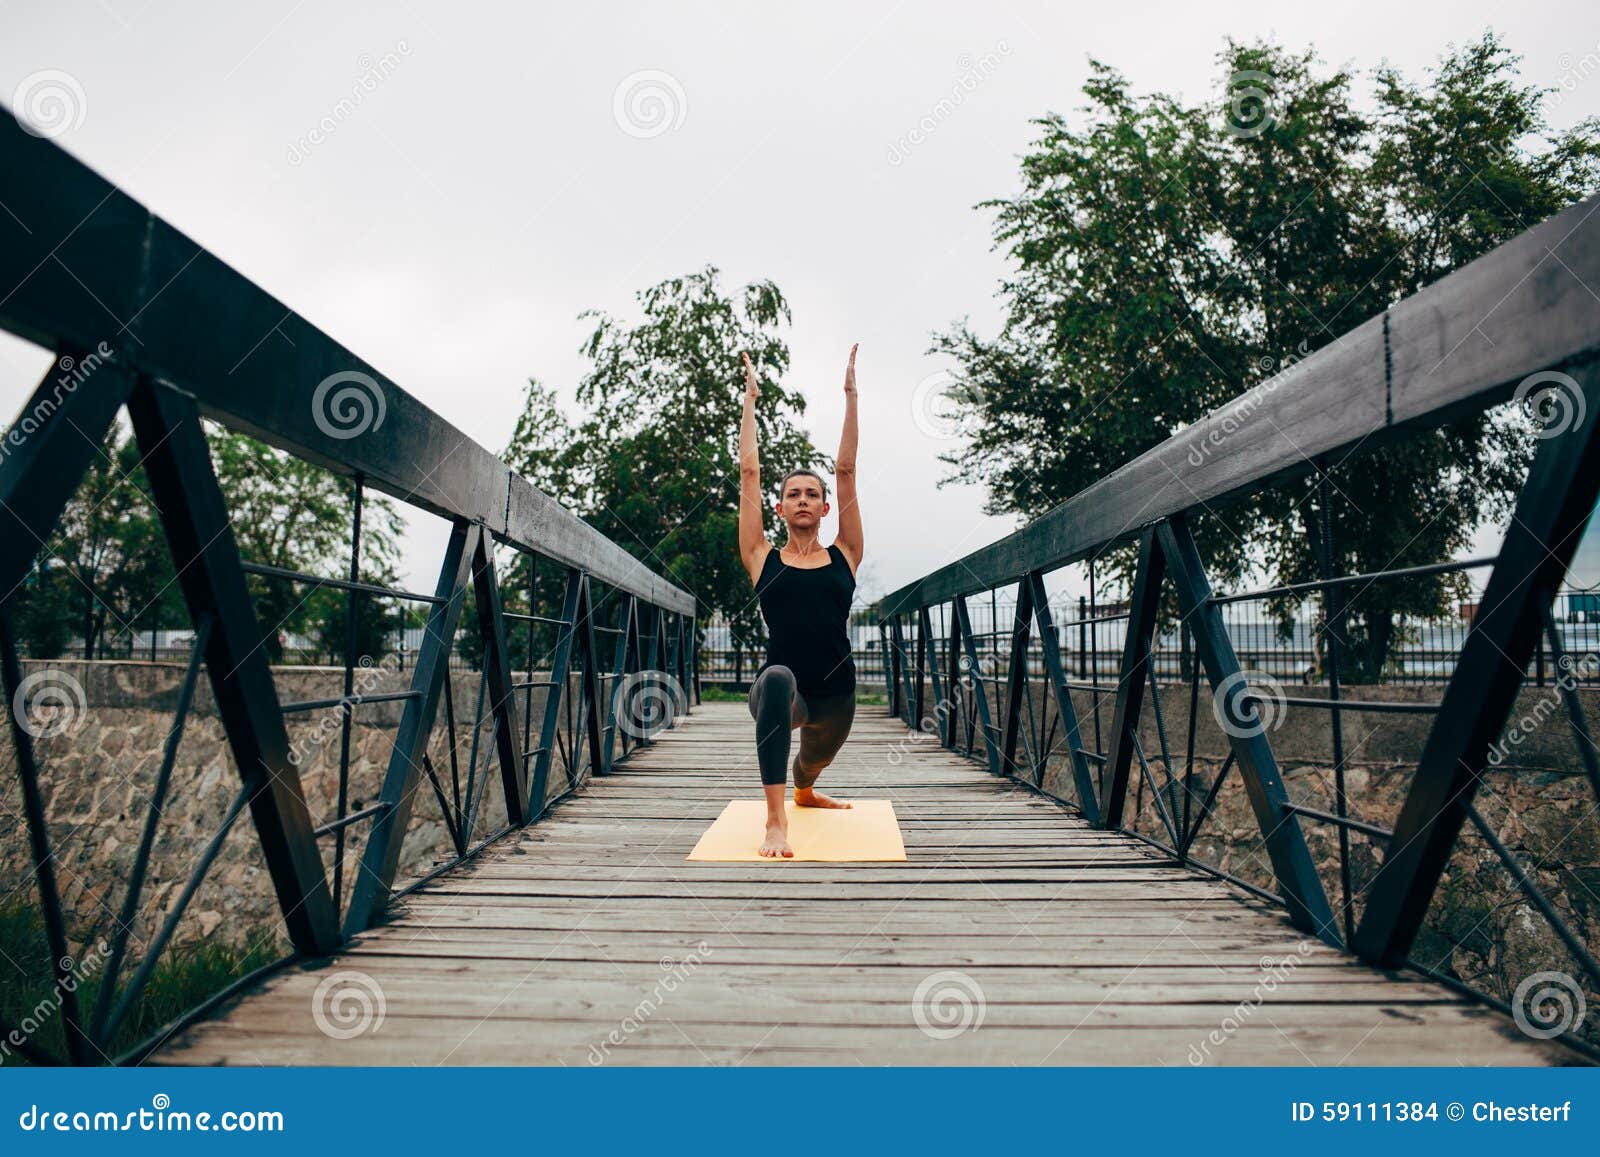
591, 929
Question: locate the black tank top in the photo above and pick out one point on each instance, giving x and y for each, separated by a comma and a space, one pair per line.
807, 611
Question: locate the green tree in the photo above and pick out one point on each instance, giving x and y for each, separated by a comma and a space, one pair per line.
654, 463
289, 513
106, 570
1166, 257
41, 607
376, 621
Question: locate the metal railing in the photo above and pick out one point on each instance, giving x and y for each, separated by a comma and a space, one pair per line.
170, 333
1522, 317
1425, 656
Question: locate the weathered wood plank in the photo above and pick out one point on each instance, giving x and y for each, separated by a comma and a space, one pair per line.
1080, 946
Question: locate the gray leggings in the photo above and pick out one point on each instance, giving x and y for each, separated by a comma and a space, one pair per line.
778, 707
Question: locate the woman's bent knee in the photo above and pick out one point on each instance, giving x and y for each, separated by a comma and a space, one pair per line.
775, 686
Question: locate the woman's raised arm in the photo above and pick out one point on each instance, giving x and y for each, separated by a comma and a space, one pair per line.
753, 545
849, 539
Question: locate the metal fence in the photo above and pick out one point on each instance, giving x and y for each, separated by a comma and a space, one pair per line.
155, 325
1091, 644
1519, 322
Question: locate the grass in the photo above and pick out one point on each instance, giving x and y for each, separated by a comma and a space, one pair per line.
186, 975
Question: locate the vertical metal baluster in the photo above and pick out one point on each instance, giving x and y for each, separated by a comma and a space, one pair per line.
527, 722
147, 839
1575, 713
1333, 616
473, 791
345, 710
1094, 675
55, 921
1083, 637
450, 735
1188, 762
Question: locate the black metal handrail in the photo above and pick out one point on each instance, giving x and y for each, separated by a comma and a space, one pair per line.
1521, 317
164, 329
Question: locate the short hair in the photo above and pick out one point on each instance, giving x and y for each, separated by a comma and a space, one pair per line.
784, 485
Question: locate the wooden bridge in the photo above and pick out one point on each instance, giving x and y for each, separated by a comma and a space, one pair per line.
1036, 921
1033, 939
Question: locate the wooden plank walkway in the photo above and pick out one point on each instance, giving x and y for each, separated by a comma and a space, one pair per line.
589, 939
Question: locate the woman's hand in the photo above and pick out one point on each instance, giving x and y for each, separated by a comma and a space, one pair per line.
751, 388
850, 371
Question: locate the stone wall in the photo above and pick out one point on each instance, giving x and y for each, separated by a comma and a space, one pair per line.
98, 772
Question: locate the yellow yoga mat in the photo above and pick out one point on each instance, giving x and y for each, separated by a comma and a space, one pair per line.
867, 831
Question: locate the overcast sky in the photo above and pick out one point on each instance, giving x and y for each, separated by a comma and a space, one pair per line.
487, 182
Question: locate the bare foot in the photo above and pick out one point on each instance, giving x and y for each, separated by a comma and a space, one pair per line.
777, 842
807, 797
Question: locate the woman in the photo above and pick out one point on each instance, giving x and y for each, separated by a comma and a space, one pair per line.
808, 679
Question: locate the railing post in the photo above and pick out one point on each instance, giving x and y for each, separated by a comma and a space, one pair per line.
79, 1038
918, 668
680, 659
429, 671
649, 636
694, 658
888, 663
1292, 864
931, 651
1056, 673
560, 670
1556, 500
902, 686
619, 671
205, 556
1017, 672
974, 665
1083, 637
590, 685
502, 696
1142, 606
949, 728
656, 664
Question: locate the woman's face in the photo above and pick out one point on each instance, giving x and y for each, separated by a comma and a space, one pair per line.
801, 504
